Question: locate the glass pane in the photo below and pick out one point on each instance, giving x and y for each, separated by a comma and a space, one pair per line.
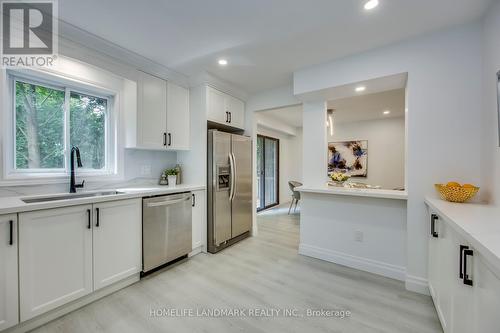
39, 127
88, 129
271, 171
260, 170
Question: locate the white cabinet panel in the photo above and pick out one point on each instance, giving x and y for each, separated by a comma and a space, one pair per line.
199, 219
486, 297
216, 104
117, 241
55, 258
151, 112
8, 272
178, 117
236, 109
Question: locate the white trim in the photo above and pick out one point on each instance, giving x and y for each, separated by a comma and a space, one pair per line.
417, 284
364, 264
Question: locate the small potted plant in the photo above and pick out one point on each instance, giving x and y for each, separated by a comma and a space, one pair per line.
339, 178
171, 176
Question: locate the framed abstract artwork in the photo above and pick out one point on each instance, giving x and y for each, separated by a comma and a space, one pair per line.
350, 157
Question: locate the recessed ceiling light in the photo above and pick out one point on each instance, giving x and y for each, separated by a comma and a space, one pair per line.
371, 4
360, 88
222, 62
387, 112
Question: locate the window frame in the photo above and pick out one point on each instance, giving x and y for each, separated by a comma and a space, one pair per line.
53, 81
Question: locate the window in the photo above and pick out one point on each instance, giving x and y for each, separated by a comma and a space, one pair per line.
49, 119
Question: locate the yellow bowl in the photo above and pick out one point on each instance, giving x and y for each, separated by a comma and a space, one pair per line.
456, 193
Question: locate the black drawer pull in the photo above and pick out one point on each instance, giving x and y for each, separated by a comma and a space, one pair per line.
467, 281
89, 224
194, 200
434, 217
11, 232
97, 217
461, 271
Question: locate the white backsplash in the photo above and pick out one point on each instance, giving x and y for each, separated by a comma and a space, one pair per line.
142, 167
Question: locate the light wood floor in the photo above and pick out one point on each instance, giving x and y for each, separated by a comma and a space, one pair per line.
262, 272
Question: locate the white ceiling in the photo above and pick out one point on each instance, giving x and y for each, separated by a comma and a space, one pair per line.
369, 106
264, 40
290, 115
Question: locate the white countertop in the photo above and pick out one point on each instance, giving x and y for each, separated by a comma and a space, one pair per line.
479, 224
9, 205
357, 192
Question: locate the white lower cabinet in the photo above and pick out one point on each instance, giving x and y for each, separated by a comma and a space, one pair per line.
464, 289
199, 219
117, 241
8, 272
67, 253
55, 258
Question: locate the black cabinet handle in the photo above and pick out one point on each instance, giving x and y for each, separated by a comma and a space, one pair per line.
461, 270
11, 232
169, 139
164, 139
97, 217
194, 200
89, 224
467, 281
230, 117
434, 217
227, 117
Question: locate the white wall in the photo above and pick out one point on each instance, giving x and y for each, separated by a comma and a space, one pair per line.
490, 153
444, 99
386, 143
290, 161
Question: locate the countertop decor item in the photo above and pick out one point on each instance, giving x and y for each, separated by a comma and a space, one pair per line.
171, 176
455, 192
338, 179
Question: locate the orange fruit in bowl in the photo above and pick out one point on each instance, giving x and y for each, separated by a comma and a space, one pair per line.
453, 184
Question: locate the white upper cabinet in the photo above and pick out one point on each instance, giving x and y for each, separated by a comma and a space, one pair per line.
151, 112
117, 241
225, 109
162, 120
8, 271
178, 117
55, 258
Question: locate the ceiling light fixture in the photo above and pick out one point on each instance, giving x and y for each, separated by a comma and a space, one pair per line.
360, 88
222, 62
387, 112
371, 4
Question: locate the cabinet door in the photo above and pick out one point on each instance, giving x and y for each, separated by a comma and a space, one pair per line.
151, 112
433, 260
447, 272
216, 101
486, 297
199, 219
236, 109
55, 258
117, 241
178, 119
8, 272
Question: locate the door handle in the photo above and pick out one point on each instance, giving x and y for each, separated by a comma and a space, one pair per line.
434, 217
164, 139
169, 139
461, 270
194, 200
11, 232
97, 217
233, 176
230, 117
227, 117
467, 281
89, 224
166, 203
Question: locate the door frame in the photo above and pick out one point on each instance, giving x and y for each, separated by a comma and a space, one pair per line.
263, 188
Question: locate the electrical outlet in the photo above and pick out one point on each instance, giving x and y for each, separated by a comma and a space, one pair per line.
146, 170
358, 236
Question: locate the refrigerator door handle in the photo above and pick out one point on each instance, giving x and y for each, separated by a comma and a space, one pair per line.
233, 176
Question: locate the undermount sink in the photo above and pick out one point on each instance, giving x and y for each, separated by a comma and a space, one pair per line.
69, 196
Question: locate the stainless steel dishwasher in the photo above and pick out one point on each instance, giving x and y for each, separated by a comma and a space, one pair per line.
166, 229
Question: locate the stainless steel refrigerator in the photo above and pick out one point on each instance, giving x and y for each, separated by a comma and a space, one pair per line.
229, 189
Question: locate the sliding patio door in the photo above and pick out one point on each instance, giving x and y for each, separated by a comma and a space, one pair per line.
267, 172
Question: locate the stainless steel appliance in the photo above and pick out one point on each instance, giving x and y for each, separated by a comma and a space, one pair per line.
229, 189
166, 229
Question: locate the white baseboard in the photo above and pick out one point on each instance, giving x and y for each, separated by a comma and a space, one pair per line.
363, 264
72, 306
195, 251
417, 284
